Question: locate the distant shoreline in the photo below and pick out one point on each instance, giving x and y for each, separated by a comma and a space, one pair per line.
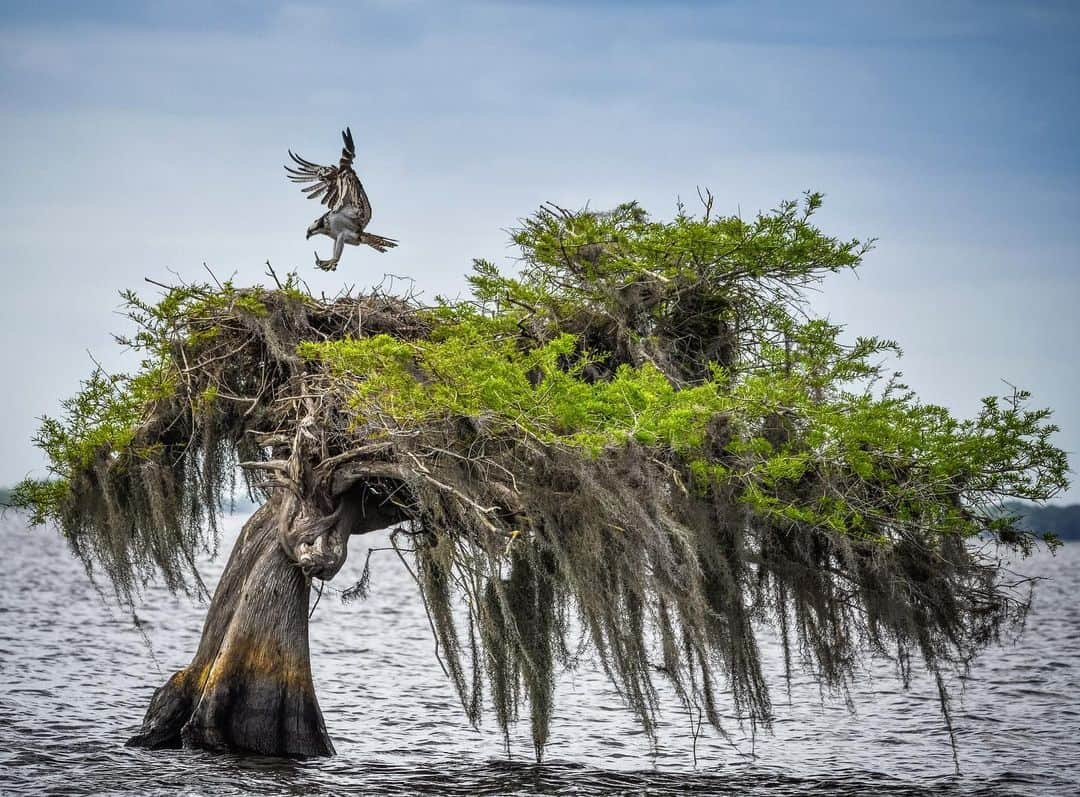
1062, 520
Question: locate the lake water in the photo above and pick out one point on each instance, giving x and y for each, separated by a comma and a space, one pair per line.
76, 675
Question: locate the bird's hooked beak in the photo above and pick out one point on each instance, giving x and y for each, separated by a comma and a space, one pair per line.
310, 231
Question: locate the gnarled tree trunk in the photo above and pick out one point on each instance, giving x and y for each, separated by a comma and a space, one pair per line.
249, 687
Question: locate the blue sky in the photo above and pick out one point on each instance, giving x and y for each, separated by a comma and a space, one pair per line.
144, 138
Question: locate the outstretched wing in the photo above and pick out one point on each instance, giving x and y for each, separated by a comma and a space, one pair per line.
334, 186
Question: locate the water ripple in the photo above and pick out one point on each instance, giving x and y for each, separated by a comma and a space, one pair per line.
77, 676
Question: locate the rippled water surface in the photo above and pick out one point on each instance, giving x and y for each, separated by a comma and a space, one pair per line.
76, 674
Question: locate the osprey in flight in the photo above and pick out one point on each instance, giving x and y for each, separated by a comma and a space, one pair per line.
341, 191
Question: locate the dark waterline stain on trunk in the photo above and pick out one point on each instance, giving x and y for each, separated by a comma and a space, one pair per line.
249, 687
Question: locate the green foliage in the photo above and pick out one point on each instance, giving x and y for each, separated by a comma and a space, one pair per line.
812, 409
42, 497
602, 252
538, 392
100, 425
140, 463
102, 417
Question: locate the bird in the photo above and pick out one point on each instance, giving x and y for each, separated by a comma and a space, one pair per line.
341, 191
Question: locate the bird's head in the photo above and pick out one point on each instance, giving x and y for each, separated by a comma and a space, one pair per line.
315, 228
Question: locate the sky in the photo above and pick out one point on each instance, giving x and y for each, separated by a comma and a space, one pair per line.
144, 139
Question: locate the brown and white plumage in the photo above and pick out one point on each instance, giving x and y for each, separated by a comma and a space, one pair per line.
339, 188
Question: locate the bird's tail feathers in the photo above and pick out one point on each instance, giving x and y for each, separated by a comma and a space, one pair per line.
377, 242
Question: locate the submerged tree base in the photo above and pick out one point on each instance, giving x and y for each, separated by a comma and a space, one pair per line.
249, 687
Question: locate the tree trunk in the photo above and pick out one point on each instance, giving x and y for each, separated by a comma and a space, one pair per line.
249, 687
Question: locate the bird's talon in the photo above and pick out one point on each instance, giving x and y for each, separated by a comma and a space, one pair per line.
325, 265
